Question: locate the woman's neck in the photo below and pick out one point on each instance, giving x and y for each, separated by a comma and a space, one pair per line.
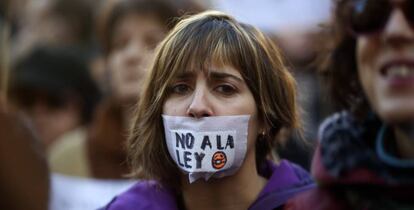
404, 135
238, 191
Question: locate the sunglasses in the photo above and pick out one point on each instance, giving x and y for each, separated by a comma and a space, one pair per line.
371, 16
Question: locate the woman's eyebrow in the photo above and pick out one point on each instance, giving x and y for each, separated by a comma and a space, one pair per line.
222, 75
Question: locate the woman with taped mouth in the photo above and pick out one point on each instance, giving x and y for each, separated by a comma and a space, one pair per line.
216, 97
366, 155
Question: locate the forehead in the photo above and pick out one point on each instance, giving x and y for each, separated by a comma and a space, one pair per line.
137, 21
210, 71
206, 45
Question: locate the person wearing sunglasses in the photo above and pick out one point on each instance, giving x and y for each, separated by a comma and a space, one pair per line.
365, 157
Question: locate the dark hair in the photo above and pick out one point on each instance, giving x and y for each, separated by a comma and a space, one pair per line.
3, 9
167, 11
56, 71
338, 65
78, 14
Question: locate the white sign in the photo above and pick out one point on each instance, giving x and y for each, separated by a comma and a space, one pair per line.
74, 193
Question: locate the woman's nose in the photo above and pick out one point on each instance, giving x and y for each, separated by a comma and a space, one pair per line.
134, 54
398, 31
200, 105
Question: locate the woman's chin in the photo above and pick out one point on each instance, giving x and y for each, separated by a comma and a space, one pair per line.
397, 115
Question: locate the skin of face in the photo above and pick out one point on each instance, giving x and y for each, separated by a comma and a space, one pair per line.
132, 47
220, 91
382, 59
50, 123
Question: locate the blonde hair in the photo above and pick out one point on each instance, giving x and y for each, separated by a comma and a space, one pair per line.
195, 43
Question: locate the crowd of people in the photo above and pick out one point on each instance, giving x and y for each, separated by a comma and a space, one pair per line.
169, 104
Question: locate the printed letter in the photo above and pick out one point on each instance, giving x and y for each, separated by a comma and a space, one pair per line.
219, 143
186, 159
189, 140
178, 158
230, 142
206, 141
199, 158
179, 139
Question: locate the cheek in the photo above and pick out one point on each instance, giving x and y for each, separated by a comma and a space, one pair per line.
166, 108
115, 67
174, 107
145, 66
253, 130
362, 59
365, 52
366, 56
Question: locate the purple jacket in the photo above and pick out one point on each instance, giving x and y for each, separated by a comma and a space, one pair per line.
285, 181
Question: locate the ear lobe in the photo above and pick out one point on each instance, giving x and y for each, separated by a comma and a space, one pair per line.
264, 128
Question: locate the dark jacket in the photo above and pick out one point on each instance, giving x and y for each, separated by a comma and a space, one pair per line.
351, 172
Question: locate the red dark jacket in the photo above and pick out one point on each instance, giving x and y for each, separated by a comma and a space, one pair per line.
349, 173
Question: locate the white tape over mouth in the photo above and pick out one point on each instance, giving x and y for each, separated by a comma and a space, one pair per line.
207, 147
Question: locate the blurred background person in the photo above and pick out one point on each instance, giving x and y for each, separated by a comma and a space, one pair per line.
365, 159
54, 88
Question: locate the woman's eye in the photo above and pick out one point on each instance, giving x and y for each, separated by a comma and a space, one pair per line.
119, 43
226, 89
152, 41
180, 89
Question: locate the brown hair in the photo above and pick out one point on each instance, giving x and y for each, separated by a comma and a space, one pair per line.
195, 43
167, 11
337, 62
78, 14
